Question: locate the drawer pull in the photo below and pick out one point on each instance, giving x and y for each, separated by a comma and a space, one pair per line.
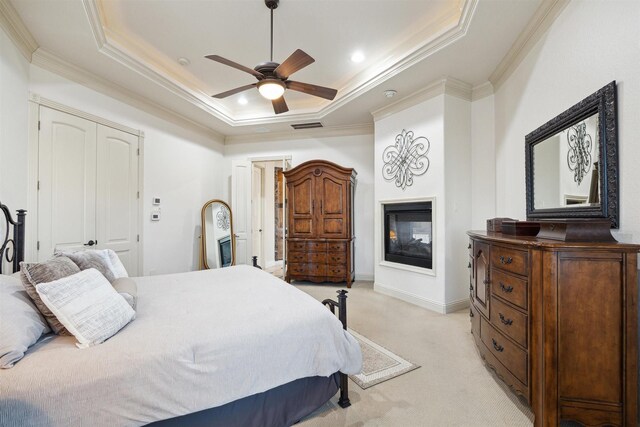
507, 260
497, 346
506, 289
507, 322
469, 265
471, 313
469, 247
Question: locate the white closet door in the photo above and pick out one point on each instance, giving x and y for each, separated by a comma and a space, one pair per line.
257, 217
117, 189
241, 209
67, 182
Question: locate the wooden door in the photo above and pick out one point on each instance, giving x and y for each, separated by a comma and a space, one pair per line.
67, 166
332, 201
241, 206
117, 195
480, 290
301, 207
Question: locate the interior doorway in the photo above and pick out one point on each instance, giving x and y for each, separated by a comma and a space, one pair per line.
268, 219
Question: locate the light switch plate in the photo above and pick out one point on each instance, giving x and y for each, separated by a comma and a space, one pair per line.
155, 216
156, 200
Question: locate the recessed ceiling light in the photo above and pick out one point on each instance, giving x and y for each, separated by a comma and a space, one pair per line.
184, 61
357, 57
242, 100
390, 93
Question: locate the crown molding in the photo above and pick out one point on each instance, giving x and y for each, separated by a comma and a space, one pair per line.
445, 85
333, 131
541, 21
15, 28
47, 60
481, 91
108, 45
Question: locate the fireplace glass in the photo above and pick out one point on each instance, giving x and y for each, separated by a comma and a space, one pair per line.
408, 233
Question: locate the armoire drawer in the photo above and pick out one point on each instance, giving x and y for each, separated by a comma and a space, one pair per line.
305, 257
336, 246
297, 269
509, 288
336, 258
314, 269
509, 321
336, 271
513, 358
509, 259
308, 246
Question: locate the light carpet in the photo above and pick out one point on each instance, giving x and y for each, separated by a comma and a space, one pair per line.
378, 363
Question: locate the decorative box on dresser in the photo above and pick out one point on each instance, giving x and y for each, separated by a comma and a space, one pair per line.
557, 321
320, 222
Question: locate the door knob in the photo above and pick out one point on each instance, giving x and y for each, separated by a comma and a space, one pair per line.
260, 231
91, 243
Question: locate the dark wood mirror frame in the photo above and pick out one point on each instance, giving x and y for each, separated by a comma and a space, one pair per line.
603, 102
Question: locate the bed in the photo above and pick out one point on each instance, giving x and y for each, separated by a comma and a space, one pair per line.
233, 346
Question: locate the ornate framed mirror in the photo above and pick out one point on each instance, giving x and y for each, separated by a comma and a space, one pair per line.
217, 244
572, 162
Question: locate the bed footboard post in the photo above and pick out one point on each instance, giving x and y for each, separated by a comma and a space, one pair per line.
344, 379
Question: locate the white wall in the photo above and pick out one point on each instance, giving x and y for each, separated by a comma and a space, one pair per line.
355, 151
483, 162
424, 119
589, 45
181, 166
14, 93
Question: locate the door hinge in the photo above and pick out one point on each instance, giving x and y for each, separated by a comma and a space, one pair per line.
38, 185
138, 195
38, 246
138, 151
38, 124
138, 238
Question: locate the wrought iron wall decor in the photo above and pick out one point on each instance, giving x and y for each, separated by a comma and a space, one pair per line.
406, 158
579, 154
223, 218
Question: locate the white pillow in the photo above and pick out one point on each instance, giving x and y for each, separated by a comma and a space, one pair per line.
21, 324
87, 305
117, 268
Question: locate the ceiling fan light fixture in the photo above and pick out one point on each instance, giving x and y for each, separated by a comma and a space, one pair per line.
271, 88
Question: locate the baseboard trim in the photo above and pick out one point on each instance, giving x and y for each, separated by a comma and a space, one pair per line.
364, 277
410, 298
458, 305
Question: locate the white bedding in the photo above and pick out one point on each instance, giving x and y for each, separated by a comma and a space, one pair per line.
200, 340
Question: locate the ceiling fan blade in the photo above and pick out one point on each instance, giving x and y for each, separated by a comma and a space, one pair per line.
235, 65
321, 91
279, 105
234, 91
297, 61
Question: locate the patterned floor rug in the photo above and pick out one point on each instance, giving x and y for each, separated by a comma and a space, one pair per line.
379, 364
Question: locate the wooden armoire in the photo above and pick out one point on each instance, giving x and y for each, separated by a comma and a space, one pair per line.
320, 222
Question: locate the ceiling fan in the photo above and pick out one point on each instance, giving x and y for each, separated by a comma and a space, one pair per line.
273, 78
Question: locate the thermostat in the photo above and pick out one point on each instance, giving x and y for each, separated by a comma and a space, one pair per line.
156, 200
155, 216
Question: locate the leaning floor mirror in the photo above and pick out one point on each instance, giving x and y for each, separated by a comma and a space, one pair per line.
217, 248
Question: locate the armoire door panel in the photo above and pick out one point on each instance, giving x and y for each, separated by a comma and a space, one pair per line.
302, 197
302, 226
591, 295
301, 207
333, 226
333, 196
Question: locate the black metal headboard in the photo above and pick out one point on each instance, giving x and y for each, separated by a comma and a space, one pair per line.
12, 248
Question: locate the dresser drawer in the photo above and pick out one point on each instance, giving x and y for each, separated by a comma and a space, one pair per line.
304, 257
509, 259
336, 271
337, 246
507, 353
510, 288
509, 321
336, 258
475, 321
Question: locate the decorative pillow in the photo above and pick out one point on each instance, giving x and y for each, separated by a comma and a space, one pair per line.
118, 269
87, 305
21, 324
92, 258
128, 289
33, 274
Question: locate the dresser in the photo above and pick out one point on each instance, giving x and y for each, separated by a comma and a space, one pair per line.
557, 321
320, 222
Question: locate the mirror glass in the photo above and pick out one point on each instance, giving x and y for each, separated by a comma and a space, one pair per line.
571, 162
565, 167
217, 249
